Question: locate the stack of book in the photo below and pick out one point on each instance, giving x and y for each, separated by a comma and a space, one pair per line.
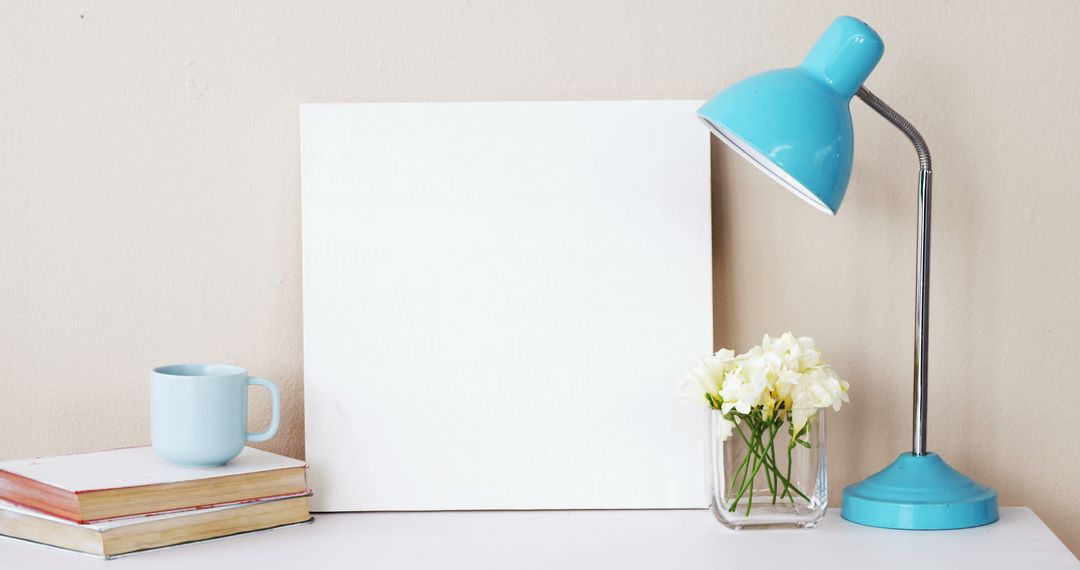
121, 501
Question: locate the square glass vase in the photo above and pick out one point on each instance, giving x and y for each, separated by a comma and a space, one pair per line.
759, 477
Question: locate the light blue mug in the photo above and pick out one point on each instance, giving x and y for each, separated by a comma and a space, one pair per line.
198, 413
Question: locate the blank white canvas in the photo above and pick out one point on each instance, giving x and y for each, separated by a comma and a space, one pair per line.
499, 300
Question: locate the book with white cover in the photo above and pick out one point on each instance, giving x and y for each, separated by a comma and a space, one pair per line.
130, 481
134, 466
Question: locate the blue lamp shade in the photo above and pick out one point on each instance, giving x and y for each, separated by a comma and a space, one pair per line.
794, 123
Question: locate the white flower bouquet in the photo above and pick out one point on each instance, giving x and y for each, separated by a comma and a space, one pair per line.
774, 389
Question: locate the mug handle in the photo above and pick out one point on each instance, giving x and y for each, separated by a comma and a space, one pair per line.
275, 402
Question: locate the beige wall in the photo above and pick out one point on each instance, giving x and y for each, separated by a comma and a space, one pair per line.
149, 171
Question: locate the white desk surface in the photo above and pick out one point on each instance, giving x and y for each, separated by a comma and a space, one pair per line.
671, 539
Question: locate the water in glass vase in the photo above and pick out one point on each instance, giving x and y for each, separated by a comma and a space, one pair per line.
767, 472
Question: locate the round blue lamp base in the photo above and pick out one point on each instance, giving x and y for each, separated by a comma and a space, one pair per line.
919, 493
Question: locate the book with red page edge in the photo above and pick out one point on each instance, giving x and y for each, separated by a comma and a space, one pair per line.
305, 493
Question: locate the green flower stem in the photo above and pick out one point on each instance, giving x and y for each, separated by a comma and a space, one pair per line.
748, 483
786, 480
760, 461
742, 482
750, 453
749, 486
791, 446
769, 480
735, 476
787, 487
775, 486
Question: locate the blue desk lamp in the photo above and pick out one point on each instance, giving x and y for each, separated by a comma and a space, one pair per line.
795, 125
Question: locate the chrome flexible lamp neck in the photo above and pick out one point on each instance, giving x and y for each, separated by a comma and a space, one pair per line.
922, 267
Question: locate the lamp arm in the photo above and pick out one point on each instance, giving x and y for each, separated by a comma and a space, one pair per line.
899, 122
922, 268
